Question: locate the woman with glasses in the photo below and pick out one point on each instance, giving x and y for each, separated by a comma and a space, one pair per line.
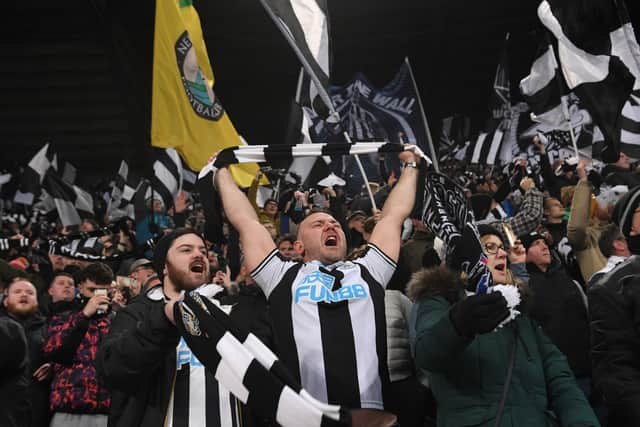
483, 374
506, 267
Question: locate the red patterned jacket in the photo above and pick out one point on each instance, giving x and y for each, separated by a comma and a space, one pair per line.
72, 343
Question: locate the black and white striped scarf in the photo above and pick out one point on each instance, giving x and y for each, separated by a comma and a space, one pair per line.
248, 368
270, 153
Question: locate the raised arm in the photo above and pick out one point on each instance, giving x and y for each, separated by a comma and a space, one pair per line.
255, 239
530, 213
580, 211
399, 204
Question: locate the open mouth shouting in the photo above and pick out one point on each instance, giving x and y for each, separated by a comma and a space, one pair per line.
198, 267
331, 240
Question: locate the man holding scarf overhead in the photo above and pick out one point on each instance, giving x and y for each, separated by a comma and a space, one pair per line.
327, 313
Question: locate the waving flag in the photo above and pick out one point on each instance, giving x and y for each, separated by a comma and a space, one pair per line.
122, 194
71, 202
305, 25
488, 145
186, 113
34, 173
167, 179
592, 46
500, 99
544, 88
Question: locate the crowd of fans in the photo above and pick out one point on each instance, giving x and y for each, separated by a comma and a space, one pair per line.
564, 235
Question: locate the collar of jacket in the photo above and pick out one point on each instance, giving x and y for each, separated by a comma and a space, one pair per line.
553, 267
34, 321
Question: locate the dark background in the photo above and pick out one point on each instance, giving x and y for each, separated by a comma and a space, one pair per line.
78, 72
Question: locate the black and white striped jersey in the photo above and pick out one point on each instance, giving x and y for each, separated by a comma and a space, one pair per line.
329, 324
197, 398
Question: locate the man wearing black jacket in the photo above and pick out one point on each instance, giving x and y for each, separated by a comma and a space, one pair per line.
14, 374
614, 309
620, 172
154, 378
559, 306
21, 304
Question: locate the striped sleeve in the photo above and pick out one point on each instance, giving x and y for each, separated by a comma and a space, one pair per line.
271, 271
378, 264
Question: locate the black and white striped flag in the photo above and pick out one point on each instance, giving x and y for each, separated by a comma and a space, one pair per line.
189, 179
124, 188
167, 179
486, 147
596, 56
71, 202
305, 25
454, 137
34, 173
306, 127
630, 133
543, 90
624, 41
249, 369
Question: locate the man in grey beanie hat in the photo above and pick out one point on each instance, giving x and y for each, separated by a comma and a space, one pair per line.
614, 311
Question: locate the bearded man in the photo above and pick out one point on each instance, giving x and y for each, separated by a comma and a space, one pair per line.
20, 303
153, 376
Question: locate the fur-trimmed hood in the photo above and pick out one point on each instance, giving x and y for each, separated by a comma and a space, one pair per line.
443, 282
436, 282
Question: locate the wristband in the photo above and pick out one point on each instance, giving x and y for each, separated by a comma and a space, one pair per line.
410, 165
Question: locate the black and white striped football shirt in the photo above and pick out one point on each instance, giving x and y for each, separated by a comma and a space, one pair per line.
197, 398
329, 324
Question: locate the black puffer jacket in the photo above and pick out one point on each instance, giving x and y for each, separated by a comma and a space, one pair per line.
138, 358
614, 175
614, 306
137, 361
14, 374
559, 306
35, 328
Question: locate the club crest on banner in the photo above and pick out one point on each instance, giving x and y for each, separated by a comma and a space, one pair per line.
198, 88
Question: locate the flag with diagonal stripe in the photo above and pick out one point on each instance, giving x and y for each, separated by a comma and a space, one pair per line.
305, 26
595, 54
71, 202
167, 176
33, 175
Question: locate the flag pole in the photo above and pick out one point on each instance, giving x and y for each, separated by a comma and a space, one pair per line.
434, 155
564, 106
362, 172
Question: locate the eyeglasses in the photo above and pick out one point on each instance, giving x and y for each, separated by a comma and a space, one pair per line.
493, 248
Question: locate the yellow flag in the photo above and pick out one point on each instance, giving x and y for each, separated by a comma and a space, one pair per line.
185, 112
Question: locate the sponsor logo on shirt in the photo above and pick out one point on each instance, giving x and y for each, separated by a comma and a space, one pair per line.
317, 287
185, 356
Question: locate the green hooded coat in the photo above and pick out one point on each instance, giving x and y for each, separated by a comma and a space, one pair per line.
467, 376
